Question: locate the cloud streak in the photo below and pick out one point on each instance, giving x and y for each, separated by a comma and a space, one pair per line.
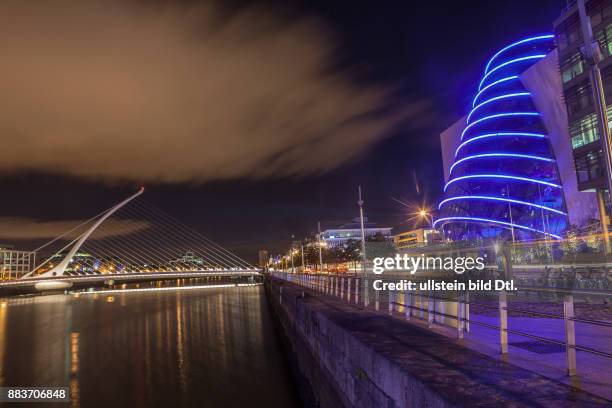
20, 228
120, 91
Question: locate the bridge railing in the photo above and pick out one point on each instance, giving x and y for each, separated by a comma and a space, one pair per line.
453, 308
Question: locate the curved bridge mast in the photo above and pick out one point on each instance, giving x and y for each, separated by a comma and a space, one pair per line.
60, 268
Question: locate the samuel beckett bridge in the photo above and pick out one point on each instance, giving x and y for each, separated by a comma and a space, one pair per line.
131, 241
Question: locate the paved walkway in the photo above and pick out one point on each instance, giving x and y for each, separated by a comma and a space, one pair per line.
460, 375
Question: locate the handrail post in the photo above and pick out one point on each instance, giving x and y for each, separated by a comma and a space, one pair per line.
376, 300
408, 304
348, 290
570, 333
460, 316
503, 321
431, 304
466, 312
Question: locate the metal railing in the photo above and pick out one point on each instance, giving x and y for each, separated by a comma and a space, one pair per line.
422, 305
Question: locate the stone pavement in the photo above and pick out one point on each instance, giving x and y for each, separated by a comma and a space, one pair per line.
458, 375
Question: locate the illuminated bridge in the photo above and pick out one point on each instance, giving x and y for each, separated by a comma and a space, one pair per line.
131, 241
504, 179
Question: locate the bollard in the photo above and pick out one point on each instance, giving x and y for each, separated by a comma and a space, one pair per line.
342, 288
408, 304
357, 291
391, 300
280, 296
366, 293
503, 321
570, 334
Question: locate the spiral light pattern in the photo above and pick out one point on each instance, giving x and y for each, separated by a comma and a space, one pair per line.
504, 179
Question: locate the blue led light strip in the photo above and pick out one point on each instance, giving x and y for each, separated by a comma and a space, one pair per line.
506, 200
514, 61
513, 155
501, 176
526, 40
497, 98
487, 220
499, 81
498, 115
499, 134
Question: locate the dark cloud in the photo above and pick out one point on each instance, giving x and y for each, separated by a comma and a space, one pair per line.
20, 228
108, 91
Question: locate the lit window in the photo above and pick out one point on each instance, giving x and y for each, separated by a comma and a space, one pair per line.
572, 68
584, 131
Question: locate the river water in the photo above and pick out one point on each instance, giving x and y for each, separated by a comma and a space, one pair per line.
208, 347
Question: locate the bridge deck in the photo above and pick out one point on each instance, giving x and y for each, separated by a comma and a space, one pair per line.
126, 277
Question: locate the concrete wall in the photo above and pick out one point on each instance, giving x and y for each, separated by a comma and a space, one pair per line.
341, 369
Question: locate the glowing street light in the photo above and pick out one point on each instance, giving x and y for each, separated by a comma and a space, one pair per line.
425, 214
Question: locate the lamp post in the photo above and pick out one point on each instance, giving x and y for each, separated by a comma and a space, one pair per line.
320, 249
363, 245
291, 254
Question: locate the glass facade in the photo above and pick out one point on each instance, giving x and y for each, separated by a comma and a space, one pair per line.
504, 180
583, 128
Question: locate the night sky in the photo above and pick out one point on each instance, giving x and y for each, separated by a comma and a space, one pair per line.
428, 54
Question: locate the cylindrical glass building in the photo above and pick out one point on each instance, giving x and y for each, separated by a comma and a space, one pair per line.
504, 180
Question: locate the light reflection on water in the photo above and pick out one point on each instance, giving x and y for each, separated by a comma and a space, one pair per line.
208, 347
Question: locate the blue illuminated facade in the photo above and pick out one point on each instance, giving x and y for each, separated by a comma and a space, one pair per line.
504, 181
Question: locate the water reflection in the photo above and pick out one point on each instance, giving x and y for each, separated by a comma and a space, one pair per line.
209, 347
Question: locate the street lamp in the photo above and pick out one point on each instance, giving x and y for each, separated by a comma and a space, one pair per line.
425, 214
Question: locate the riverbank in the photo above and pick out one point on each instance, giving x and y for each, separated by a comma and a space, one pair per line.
354, 357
